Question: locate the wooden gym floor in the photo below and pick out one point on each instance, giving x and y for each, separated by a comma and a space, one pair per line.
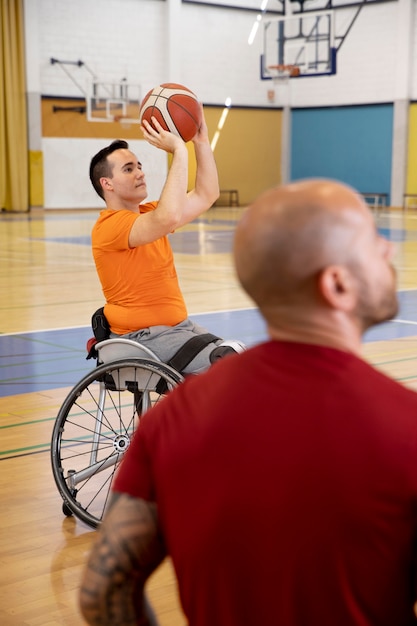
49, 291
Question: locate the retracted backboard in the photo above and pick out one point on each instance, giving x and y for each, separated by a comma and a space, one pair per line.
108, 102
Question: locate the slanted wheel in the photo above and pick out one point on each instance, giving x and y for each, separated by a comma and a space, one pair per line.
94, 426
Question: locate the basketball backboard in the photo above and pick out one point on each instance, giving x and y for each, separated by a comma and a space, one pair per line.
108, 102
305, 41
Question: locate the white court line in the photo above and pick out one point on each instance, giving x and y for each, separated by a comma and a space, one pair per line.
62, 328
48, 330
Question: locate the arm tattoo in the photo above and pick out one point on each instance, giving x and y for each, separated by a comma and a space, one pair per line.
129, 547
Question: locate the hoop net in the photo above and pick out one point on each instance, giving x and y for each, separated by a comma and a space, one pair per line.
282, 73
123, 120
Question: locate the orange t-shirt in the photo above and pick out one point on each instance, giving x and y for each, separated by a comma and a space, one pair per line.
140, 284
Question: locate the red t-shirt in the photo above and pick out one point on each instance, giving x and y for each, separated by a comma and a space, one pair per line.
286, 484
140, 284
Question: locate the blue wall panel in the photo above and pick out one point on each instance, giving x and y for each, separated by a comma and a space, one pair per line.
351, 144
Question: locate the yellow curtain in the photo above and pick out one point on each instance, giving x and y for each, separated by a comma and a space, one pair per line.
14, 159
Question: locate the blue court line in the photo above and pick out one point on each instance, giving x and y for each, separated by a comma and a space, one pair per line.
213, 241
51, 359
184, 242
78, 240
397, 234
51, 217
207, 242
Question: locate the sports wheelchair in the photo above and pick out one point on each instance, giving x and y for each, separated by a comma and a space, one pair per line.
94, 425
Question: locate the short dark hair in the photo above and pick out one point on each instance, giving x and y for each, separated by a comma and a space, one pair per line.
99, 165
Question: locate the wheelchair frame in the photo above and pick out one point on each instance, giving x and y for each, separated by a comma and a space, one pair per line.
96, 421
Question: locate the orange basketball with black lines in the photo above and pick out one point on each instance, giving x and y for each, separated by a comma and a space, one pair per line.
175, 107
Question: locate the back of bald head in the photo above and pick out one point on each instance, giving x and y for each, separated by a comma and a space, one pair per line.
290, 234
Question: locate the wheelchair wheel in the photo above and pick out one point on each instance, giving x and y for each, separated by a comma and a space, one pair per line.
94, 427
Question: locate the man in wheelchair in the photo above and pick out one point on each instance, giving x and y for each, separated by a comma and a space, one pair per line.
133, 256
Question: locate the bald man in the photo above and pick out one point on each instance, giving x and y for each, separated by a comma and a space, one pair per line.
282, 482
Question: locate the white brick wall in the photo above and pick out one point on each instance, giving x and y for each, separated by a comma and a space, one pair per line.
365, 62
209, 53
128, 38
66, 166
115, 38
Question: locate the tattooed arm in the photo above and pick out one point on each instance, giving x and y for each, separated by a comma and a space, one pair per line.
127, 550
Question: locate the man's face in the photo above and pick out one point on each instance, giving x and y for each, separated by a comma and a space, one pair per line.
375, 275
127, 181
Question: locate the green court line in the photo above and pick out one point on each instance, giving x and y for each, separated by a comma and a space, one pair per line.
411, 358
44, 419
44, 447
50, 419
18, 451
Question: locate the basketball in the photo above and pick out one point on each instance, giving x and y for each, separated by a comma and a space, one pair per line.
175, 107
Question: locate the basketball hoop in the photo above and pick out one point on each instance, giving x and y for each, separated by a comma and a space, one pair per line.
123, 120
282, 73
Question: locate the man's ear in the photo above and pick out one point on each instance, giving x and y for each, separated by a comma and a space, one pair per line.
338, 288
106, 183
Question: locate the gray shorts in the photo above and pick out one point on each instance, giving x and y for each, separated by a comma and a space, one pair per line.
166, 340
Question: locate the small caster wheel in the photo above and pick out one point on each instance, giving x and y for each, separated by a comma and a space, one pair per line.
66, 510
